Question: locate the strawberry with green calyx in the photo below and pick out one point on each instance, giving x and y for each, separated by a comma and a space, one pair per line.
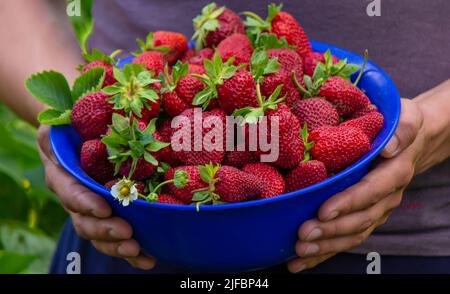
309, 171
180, 88
194, 183
268, 41
176, 42
252, 114
133, 92
216, 72
290, 145
330, 67
98, 58
261, 65
52, 89
226, 184
289, 62
280, 23
149, 45
215, 24
129, 143
179, 180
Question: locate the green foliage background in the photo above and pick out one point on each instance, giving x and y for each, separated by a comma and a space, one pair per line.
30, 215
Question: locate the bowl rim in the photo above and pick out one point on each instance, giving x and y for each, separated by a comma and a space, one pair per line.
318, 47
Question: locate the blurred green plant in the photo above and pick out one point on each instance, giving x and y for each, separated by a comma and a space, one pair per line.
30, 214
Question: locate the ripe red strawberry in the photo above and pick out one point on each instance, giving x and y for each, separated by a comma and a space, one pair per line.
200, 56
346, 97
307, 173
99, 59
234, 185
190, 53
204, 151
338, 147
152, 60
289, 62
94, 161
215, 24
194, 183
371, 124
238, 159
271, 179
237, 46
176, 42
291, 146
109, 75
140, 186
169, 199
315, 112
173, 105
164, 134
180, 87
196, 69
237, 92
91, 115
311, 59
363, 111
144, 169
283, 25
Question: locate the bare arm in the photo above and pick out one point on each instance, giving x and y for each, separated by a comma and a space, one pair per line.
36, 35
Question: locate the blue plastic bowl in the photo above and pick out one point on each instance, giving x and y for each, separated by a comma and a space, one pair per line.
242, 236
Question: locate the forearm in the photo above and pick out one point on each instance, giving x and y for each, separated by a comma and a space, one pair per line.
37, 36
435, 107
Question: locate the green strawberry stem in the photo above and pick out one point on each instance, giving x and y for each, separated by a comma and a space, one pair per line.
366, 56
308, 145
299, 86
180, 180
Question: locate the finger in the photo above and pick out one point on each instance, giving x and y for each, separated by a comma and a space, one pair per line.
411, 120
375, 186
110, 229
142, 262
350, 224
299, 264
122, 249
44, 144
74, 196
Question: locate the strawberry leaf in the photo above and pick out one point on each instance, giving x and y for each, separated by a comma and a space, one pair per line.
261, 65
54, 117
90, 81
51, 88
206, 22
150, 159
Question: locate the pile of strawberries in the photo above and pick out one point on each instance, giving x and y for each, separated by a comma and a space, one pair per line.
253, 68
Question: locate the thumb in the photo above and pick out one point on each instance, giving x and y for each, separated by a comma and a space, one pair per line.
43, 140
411, 120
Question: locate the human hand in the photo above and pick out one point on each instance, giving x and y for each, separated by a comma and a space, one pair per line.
91, 214
349, 217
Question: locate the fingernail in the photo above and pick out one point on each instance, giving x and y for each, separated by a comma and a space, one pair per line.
314, 234
301, 267
113, 234
312, 249
392, 146
332, 215
123, 251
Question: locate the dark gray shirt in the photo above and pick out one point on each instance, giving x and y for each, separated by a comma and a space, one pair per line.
410, 40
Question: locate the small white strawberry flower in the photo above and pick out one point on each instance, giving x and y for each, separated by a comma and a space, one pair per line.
125, 191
